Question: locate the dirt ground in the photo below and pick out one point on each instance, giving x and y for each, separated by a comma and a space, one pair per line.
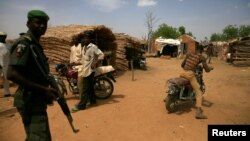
136, 110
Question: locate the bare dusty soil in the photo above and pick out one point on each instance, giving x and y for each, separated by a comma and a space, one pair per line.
136, 111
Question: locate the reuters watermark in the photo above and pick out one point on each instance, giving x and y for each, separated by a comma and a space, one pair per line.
220, 132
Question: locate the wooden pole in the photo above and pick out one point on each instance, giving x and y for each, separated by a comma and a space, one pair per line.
132, 69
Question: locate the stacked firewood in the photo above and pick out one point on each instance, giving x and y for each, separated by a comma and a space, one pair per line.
58, 40
123, 42
240, 49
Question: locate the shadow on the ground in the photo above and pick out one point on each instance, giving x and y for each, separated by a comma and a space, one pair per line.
187, 106
8, 113
207, 103
72, 96
113, 99
119, 73
11, 95
241, 63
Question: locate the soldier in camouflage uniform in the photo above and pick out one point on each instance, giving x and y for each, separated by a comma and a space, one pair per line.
33, 93
189, 65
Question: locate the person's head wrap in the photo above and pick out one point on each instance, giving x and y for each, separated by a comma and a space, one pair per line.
37, 14
3, 34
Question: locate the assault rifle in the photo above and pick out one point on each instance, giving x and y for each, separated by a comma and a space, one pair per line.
61, 101
59, 95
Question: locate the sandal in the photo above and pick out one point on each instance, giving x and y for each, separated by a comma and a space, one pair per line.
75, 109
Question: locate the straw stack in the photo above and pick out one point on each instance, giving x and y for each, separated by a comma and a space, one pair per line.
122, 41
58, 40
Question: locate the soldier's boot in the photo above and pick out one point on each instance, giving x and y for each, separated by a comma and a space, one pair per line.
199, 114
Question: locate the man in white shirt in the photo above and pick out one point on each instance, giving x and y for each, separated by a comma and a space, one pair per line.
76, 52
75, 59
4, 61
90, 56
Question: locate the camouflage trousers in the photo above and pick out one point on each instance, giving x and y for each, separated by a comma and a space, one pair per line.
36, 125
190, 75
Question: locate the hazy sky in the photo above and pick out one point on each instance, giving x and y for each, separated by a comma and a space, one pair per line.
201, 17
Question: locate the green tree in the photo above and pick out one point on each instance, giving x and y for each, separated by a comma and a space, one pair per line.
244, 30
191, 34
182, 30
166, 31
215, 37
231, 32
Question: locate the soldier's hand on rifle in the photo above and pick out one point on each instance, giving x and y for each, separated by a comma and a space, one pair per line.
51, 93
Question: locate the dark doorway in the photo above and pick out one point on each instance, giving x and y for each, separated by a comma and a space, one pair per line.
170, 50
